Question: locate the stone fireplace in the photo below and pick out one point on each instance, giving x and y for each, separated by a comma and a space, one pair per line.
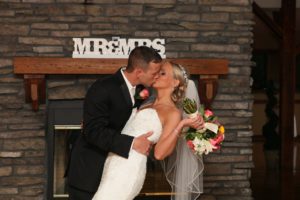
207, 29
64, 109
63, 121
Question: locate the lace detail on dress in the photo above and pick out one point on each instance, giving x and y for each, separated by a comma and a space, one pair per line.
123, 178
145, 120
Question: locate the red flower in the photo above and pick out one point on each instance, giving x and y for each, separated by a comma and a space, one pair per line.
217, 140
144, 94
190, 144
208, 113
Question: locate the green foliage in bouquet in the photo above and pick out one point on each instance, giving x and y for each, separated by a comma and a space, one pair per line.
189, 106
193, 133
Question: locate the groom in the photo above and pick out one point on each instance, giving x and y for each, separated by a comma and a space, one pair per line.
107, 107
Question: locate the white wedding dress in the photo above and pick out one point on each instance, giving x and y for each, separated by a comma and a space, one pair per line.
122, 178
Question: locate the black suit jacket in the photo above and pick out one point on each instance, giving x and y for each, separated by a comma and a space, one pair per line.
107, 107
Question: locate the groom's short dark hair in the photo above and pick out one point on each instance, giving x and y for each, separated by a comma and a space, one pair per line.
141, 56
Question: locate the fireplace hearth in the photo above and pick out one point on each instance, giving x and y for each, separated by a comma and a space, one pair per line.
64, 119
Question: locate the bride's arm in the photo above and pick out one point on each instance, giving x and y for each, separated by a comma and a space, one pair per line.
173, 125
168, 138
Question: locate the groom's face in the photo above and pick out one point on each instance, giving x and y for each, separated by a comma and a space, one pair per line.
147, 77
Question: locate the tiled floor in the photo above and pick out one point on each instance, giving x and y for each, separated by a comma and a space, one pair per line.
265, 181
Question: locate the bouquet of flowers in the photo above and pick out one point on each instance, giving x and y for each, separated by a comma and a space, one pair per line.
210, 137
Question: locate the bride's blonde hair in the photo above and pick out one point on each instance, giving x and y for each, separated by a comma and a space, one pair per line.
179, 73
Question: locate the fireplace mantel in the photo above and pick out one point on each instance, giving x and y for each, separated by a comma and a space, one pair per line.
35, 70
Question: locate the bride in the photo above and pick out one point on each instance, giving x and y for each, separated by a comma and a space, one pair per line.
123, 178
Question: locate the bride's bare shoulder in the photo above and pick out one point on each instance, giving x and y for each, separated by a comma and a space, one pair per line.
167, 113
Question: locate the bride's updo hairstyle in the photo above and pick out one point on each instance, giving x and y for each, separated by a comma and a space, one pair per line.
180, 74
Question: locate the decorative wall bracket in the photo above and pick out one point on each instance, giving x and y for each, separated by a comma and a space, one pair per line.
35, 70
207, 89
35, 90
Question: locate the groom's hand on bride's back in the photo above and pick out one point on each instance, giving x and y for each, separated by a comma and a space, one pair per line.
141, 144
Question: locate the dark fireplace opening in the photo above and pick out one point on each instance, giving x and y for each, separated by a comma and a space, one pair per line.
64, 119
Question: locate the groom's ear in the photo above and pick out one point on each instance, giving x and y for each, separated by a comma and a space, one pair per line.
138, 71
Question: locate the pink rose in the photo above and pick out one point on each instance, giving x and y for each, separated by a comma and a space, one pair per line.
144, 94
217, 140
208, 113
190, 144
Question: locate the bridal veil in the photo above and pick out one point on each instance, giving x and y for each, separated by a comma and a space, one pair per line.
183, 169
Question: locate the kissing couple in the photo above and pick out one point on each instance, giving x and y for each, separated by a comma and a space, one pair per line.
108, 161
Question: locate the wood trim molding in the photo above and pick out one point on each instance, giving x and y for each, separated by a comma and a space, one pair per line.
41, 65
287, 96
35, 70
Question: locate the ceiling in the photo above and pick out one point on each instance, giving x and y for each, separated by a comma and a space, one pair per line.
273, 3
264, 38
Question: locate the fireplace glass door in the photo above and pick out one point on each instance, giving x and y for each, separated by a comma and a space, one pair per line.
64, 138
61, 139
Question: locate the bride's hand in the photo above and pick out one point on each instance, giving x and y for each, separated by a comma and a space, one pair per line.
195, 122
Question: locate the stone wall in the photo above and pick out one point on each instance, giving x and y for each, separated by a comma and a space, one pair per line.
192, 29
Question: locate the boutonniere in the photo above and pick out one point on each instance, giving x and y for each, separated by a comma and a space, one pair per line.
143, 94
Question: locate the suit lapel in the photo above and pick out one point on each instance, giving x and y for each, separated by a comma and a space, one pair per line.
124, 88
126, 94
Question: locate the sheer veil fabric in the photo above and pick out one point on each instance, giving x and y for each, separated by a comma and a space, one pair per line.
184, 170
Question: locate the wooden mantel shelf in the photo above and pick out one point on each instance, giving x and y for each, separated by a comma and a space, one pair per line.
34, 70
